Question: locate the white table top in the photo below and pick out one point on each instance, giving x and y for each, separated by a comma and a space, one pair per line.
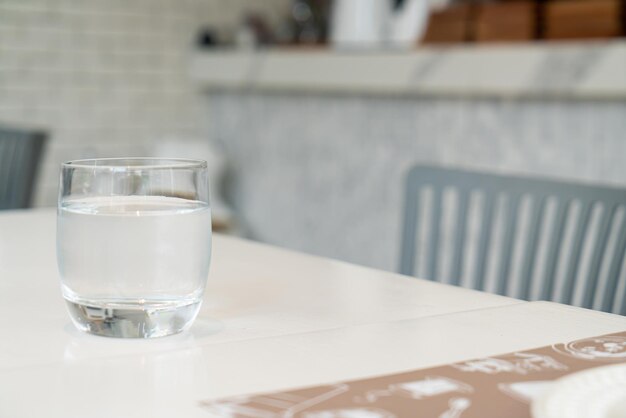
272, 319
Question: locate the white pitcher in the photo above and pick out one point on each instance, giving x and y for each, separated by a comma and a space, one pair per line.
368, 24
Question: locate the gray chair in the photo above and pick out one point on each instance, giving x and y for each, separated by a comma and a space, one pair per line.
20, 153
522, 237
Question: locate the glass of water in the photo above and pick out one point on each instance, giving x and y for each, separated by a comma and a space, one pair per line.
133, 244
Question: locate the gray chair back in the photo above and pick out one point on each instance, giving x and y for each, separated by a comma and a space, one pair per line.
20, 152
528, 238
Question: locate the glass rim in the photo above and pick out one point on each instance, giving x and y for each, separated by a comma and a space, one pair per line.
135, 163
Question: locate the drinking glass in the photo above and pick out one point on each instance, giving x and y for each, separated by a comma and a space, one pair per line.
133, 244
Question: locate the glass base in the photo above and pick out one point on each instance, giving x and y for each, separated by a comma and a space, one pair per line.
132, 320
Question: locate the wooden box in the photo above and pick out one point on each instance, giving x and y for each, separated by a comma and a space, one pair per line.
506, 21
451, 24
571, 19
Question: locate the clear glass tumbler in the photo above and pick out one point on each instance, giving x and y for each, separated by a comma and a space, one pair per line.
133, 244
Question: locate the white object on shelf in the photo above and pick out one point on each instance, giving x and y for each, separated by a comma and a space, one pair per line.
358, 23
371, 24
408, 24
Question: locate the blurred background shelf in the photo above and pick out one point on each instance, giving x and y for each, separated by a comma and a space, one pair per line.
591, 70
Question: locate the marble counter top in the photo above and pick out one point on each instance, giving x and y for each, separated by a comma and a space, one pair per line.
590, 70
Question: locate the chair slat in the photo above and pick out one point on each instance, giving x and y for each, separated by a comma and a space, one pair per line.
574, 258
596, 257
409, 232
32, 158
4, 174
459, 243
435, 227
530, 250
511, 215
13, 175
609, 296
485, 239
19, 167
553, 250
623, 310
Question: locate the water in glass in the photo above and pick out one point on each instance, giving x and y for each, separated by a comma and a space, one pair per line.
133, 261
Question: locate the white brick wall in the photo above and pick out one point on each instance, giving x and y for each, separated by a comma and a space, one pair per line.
106, 77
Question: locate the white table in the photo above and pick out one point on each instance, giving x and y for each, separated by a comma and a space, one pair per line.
272, 319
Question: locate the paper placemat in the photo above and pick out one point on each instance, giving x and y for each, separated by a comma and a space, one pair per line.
495, 386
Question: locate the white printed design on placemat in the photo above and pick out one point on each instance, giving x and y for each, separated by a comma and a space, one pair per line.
598, 348
350, 413
276, 405
520, 363
525, 391
418, 389
456, 407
